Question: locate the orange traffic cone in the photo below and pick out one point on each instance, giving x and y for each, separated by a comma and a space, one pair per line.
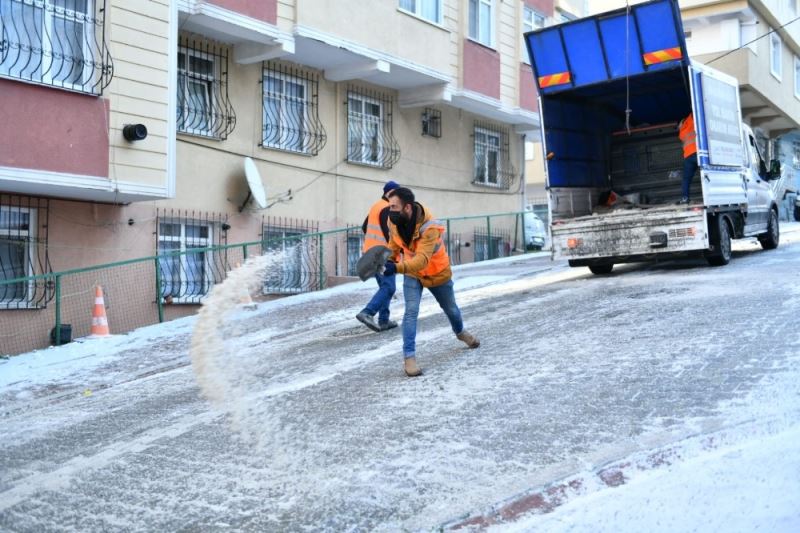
99, 319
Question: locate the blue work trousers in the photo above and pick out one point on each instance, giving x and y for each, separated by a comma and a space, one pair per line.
412, 291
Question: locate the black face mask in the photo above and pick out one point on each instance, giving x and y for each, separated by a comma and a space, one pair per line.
397, 218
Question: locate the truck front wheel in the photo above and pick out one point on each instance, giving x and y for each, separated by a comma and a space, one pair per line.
721, 240
770, 239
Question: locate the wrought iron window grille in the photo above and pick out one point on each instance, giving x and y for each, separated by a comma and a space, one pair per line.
187, 269
298, 269
492, 159
355, 242
24, 223
291, 110
491, 246
370, 139
59, 43
431, 123
204, 107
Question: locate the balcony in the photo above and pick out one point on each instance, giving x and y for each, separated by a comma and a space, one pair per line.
767, 102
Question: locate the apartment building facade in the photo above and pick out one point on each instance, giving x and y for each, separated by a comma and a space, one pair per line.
328, 100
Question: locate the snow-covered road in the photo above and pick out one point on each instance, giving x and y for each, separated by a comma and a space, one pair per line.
581, 383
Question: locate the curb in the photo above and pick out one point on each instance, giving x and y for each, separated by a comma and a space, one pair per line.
543, 500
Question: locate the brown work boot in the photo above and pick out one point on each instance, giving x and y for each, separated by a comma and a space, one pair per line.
469, 339
411, 368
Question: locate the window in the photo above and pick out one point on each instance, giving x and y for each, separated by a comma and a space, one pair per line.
55, 42
481, 21
294, 272
291, 118
431, 122
17, 227
531, 20
370, 140
792, 5
492, 163
490, 246
355, 241
775, 50
203, 105
428, 9
185, 277
797, 76
23, 252
487, 156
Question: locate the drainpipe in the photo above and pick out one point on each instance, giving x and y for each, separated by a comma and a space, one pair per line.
522, 176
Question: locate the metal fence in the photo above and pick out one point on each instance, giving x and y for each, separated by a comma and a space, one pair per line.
141, 292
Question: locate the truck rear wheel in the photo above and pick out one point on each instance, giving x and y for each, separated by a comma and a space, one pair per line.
797, 213
721, 239
604, 268
770, 239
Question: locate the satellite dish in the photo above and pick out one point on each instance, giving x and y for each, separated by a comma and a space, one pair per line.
257, 191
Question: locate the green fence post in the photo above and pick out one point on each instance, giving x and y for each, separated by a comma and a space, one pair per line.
244, 252
321, 265
159, 302
489, 237
58, 310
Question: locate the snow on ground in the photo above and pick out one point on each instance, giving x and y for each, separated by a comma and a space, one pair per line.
743, 478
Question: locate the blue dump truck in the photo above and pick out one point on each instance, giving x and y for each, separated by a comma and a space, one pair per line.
613, 89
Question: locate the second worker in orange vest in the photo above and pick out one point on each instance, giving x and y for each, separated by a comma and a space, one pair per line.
420, 254
376, 233
688, 138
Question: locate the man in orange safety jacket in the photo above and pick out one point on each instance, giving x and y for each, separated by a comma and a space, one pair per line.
376, 233
688, 138
420, 254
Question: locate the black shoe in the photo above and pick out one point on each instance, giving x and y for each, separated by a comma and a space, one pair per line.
368, 321
387, 325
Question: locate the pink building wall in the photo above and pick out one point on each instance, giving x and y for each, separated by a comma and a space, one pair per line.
53, 130
528, 95
265, 10
481, 69
545, 7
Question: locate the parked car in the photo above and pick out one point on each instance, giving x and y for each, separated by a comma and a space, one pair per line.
535, 231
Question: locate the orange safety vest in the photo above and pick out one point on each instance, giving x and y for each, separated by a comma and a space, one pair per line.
374, 236
688, 136
439, 260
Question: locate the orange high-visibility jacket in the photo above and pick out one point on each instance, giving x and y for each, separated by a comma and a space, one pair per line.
426, 257
374, 234
688, 136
